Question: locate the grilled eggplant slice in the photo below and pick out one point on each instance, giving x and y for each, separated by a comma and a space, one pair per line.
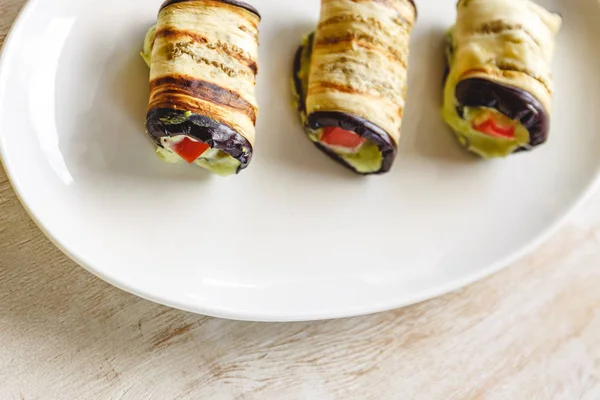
202, 56
349, 81
498, 90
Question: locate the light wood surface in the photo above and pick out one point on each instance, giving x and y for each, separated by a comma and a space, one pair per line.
529, 332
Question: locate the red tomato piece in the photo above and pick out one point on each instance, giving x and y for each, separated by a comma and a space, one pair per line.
334, 136
190, 150
493, 128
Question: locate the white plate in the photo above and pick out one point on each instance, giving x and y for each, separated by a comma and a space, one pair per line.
295, 236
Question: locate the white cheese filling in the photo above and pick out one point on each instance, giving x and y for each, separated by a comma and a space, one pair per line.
214, 160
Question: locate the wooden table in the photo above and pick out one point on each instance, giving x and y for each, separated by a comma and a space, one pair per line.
529, 332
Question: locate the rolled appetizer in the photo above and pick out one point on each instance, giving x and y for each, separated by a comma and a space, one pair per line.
202, 56
498, 89
350, 81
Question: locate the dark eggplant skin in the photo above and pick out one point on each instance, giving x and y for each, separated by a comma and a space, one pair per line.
343, 120
414, 6
298, 87
515, 103
362, 127
235, 3
217, 135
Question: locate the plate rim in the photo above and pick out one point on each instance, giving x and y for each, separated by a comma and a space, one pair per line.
296, 316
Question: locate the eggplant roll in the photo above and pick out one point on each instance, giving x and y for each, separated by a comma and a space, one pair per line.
498, 90
202, 56
350, 81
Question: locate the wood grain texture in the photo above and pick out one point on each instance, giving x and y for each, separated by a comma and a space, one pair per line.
529, 332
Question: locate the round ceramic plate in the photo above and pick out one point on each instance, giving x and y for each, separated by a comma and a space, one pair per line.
295, 236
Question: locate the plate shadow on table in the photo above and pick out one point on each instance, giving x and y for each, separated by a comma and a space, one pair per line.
82, 318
